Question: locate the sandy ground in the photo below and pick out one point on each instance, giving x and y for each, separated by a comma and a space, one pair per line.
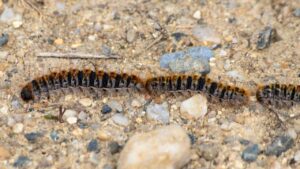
129, 29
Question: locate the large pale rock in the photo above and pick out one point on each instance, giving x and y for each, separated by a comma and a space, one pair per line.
167, 147
194, 107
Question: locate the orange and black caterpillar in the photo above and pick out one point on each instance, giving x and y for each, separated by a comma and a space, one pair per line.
197, 83
278, 94
78, 78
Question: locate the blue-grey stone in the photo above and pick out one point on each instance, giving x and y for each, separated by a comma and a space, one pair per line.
106, 109
33, 136
279, 145
192, 137
114, 147
265, 37
21, 161
54, 135
244, 141
250, 153
194, 58
3, 39
297, 12
93, 146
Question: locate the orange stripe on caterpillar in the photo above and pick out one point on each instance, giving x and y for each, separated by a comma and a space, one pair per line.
278, 94
78, 78
197, 83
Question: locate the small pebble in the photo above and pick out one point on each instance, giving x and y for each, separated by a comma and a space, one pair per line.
279, 145
106, 109
72, 120
235, 75
250, 153
8, 15
11, 121
114, 147
206, 34
130, 35
3, 55
208, 151
3, 39
103, 135
22, 161
120, 119
194, 107
58, 41
297, 156
297, 12
265, 38
15, 104
115, 105
17, 24
193, 138
54, 135
86, 102
164, 147
69, 113
136, 103
33, 136
18, 128
244, 142
197, 15
192, 59
93, 146
4, 153
158, 112
82, 116
4, 109
106, 50
107, 166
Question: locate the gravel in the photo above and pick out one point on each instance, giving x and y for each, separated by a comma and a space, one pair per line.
279, 145
93, 146
250, 153
3, 39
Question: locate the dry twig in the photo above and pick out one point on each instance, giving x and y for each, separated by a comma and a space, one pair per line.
75, 56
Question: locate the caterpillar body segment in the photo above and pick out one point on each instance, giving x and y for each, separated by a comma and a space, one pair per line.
177, 83
78, 79
278, 94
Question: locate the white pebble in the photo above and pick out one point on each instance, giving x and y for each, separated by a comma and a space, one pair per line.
158, 112
135, 103
235, 75
4, 109
69, 113
297, 156
18, 128
292, 133
197, 15
17, 24
72, 120
120, 119
165, 147
86, 102
82, 116
115, 105
194, 107
11, 121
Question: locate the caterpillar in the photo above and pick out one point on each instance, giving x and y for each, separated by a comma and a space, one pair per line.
278, 94
78, 78
198, 83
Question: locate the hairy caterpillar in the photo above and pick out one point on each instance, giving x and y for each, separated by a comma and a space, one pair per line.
198, 83
278, 94
78, 78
